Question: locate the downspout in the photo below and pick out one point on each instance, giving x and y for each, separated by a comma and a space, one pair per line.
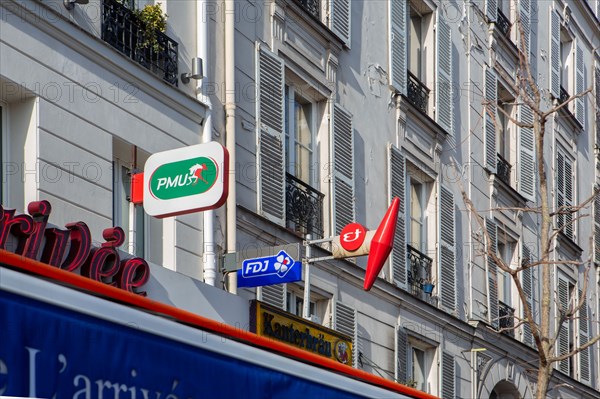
210, 264
230, 127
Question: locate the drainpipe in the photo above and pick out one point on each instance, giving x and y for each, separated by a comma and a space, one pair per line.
229, 7
210, 264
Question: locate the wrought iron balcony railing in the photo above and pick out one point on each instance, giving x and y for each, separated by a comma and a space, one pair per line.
123, 30
417, 92
564, 96
304, 207
313, 7
503, 169
506, 316
419, 270
503, 24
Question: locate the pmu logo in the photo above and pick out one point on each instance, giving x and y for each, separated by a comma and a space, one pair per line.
184, 178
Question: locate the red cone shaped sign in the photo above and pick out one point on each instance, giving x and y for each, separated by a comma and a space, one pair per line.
382, 244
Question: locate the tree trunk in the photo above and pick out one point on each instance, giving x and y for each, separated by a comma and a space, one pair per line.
543, 379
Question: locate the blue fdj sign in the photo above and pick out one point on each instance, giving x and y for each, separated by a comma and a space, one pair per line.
281, 268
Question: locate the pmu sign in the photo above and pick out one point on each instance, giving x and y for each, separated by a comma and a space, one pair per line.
281, 268
186, 180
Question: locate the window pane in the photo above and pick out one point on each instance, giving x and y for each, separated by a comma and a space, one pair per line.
304, 139
418, 368
416, 216
415, 48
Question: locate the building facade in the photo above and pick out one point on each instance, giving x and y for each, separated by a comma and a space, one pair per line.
329, 110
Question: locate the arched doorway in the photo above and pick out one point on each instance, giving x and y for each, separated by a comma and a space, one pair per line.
505, 390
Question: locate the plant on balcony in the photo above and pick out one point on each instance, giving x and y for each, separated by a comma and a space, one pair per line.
428, 284
154, 20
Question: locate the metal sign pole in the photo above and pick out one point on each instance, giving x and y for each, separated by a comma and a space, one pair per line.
306, 264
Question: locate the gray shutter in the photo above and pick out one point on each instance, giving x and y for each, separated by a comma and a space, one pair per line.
398, 44
527, 285
339, 19
401, 368
564, 333
597, 87
447, 249
491, 99
343, 168
584, 334
597, 226
491, 9
397, 179
524, 13
569, 197
579, 86
560, 187
270, 135
555, 60
448, 376
345, 322
275, 295
444, 107
492, 271
526, 162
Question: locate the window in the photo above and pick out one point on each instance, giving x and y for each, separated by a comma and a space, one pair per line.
420, 359
318, 307
299, 136
506, 312
416, 214
566, 336
505, 135
565, 193
420, 18
566, 70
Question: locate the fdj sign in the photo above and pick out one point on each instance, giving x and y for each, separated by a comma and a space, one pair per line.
185, 180
267, 270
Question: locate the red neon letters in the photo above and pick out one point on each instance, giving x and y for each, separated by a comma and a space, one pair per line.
71, 249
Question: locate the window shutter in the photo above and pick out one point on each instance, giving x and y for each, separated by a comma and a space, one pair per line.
526, 164
560, 187
339, 19
584, 334
275, 295
579, 86
398, 44
343, 168
491, 9
555, 60
524, 14
444, 100
397, 179
345, 322
400, 371
448, 376
597, 226
447, 252
597, 77
527, 285
569, 230
492, 231
491, 99
564, 332
270, 135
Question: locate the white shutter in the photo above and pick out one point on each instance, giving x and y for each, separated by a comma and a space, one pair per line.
398, 44
345, 322
448, 376
564, 334
275, 295
447, 252
444, 105
555, 60
579, 86
527, 285
526, 162
401, 344
492, 272
343, 168
397, 179
524, 13
584, 334
339, 19
597, 87
491, 99
597, 226
569, 179
491, 9
270, 136
564, 193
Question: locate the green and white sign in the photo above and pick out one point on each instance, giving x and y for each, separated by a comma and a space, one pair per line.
186, 180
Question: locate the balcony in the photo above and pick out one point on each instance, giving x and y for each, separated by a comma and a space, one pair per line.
124, 31
506, 318
503, 24
503, 169
303, 207
417, 93
419, 270
313, 7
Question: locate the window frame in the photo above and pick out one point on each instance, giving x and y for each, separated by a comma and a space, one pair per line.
429, 350
292, 140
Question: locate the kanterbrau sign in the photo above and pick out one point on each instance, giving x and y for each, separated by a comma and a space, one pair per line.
186, 180
271, 322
